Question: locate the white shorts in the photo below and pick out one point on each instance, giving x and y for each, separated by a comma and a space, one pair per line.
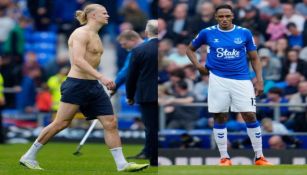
223, 93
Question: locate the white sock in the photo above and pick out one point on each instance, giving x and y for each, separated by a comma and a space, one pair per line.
254, 133
31, 153
119, 158
220, 136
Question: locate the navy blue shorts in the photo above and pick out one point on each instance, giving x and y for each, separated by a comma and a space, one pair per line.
89, 95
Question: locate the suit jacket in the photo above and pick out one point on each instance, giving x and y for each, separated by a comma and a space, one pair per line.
301, 68
142, 76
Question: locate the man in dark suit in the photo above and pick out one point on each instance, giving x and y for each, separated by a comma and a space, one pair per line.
142, 86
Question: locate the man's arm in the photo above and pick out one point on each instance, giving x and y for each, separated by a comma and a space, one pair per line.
186, 100
256, 64
192, 56
121, 76
78, 50
132, 77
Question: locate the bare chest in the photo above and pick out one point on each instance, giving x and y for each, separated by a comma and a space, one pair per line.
95, 46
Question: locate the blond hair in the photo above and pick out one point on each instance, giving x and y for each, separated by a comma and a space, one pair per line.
81, 15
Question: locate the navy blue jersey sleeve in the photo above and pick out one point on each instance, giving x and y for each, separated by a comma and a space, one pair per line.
200, 39
250, 43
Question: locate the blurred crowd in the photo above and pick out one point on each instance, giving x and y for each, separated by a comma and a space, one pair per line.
279, 28
34, 58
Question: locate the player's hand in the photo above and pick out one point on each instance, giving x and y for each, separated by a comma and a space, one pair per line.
107, 82
258, 88
130, 101
112, 92
202, 70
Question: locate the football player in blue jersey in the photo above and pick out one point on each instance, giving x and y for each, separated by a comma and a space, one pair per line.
229, 82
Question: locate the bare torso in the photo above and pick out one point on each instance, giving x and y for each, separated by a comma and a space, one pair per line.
94, 50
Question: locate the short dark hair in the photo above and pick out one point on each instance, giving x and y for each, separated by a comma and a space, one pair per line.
182, 84
275, 90
224, 6
291, 24
178, 73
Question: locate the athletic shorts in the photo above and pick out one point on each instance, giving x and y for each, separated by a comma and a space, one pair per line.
223, 93
89, 95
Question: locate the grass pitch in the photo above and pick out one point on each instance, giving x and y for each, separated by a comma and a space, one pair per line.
58, 159
234, 170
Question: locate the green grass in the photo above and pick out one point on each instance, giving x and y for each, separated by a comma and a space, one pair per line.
234, 170
57, 159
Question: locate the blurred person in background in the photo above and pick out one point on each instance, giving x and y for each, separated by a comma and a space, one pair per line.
137, 124
178, 27
274, 96
275, 127
165, 8
299, 98
248, 15
271, 66
179, 57
281, 142
165, 47
54, 86
122, 53
6, 25
175, 76
41, 12
43, 102
301, 8
15, 43
134, 15
273, 7
293, 64
163, 30
276, 142
276, 29
2, 103
25, 98
290, 85
204, 18
295, 37
128, 40
30, 63
201, 89
289, 16
181, 117
55, 65
281, 49
298, 120
191, 73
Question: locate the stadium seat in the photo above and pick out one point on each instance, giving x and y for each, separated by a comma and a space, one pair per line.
44, 37
44, 47
44, 58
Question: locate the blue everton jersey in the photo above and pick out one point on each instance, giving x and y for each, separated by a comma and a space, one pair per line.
227, 51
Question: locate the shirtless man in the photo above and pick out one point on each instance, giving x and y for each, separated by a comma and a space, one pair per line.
81, 90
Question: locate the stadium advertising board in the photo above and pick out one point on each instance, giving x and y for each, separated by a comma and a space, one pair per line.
238, 157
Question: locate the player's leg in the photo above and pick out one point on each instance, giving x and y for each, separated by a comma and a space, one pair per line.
220, 136
112, 139
63, 118
254, 133
218, 103
243, 101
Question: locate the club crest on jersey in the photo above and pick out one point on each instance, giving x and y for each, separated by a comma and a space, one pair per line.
237, 40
